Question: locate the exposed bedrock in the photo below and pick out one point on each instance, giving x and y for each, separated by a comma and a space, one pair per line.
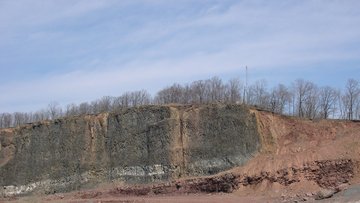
135, 145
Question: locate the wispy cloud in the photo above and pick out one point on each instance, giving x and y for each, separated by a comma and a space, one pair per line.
80, 50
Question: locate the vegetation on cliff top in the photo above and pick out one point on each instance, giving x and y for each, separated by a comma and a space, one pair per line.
302, 98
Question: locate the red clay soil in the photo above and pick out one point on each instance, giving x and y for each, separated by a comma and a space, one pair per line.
194, 198
299, 159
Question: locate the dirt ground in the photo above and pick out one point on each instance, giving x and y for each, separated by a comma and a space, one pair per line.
350, 195
195, 198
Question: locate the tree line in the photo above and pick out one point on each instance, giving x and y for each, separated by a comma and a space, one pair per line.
301, 98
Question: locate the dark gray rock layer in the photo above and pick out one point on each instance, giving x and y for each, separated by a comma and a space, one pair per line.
135, 145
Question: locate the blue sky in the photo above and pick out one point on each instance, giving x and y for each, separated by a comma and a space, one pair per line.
79, 50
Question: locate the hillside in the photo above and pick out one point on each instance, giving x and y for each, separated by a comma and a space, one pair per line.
178, 150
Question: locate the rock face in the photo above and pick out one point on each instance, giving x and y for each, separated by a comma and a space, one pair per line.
135, 145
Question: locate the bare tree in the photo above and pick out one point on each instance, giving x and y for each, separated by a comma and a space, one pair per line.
84, 108
125, 99
311, 104
327, 101
2, 120
54, 110
18, 118
305, 100
104, 104
172, 94
128, 99
280, 96
199, 92
141, 97
351, 97
357, 111
41, 115
217, 89
5, 120
233, 90
302, 92
95, 107
186, 94
258, 95
72, 110
117, 103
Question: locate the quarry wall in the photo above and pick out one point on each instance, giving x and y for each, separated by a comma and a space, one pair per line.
134, 146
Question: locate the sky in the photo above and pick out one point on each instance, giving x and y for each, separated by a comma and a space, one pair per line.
71, 51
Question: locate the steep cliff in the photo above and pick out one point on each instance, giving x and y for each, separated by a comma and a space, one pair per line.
135, 145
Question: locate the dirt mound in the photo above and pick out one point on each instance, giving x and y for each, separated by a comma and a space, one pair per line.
306, 155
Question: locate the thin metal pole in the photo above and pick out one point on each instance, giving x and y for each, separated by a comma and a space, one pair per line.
246, 86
